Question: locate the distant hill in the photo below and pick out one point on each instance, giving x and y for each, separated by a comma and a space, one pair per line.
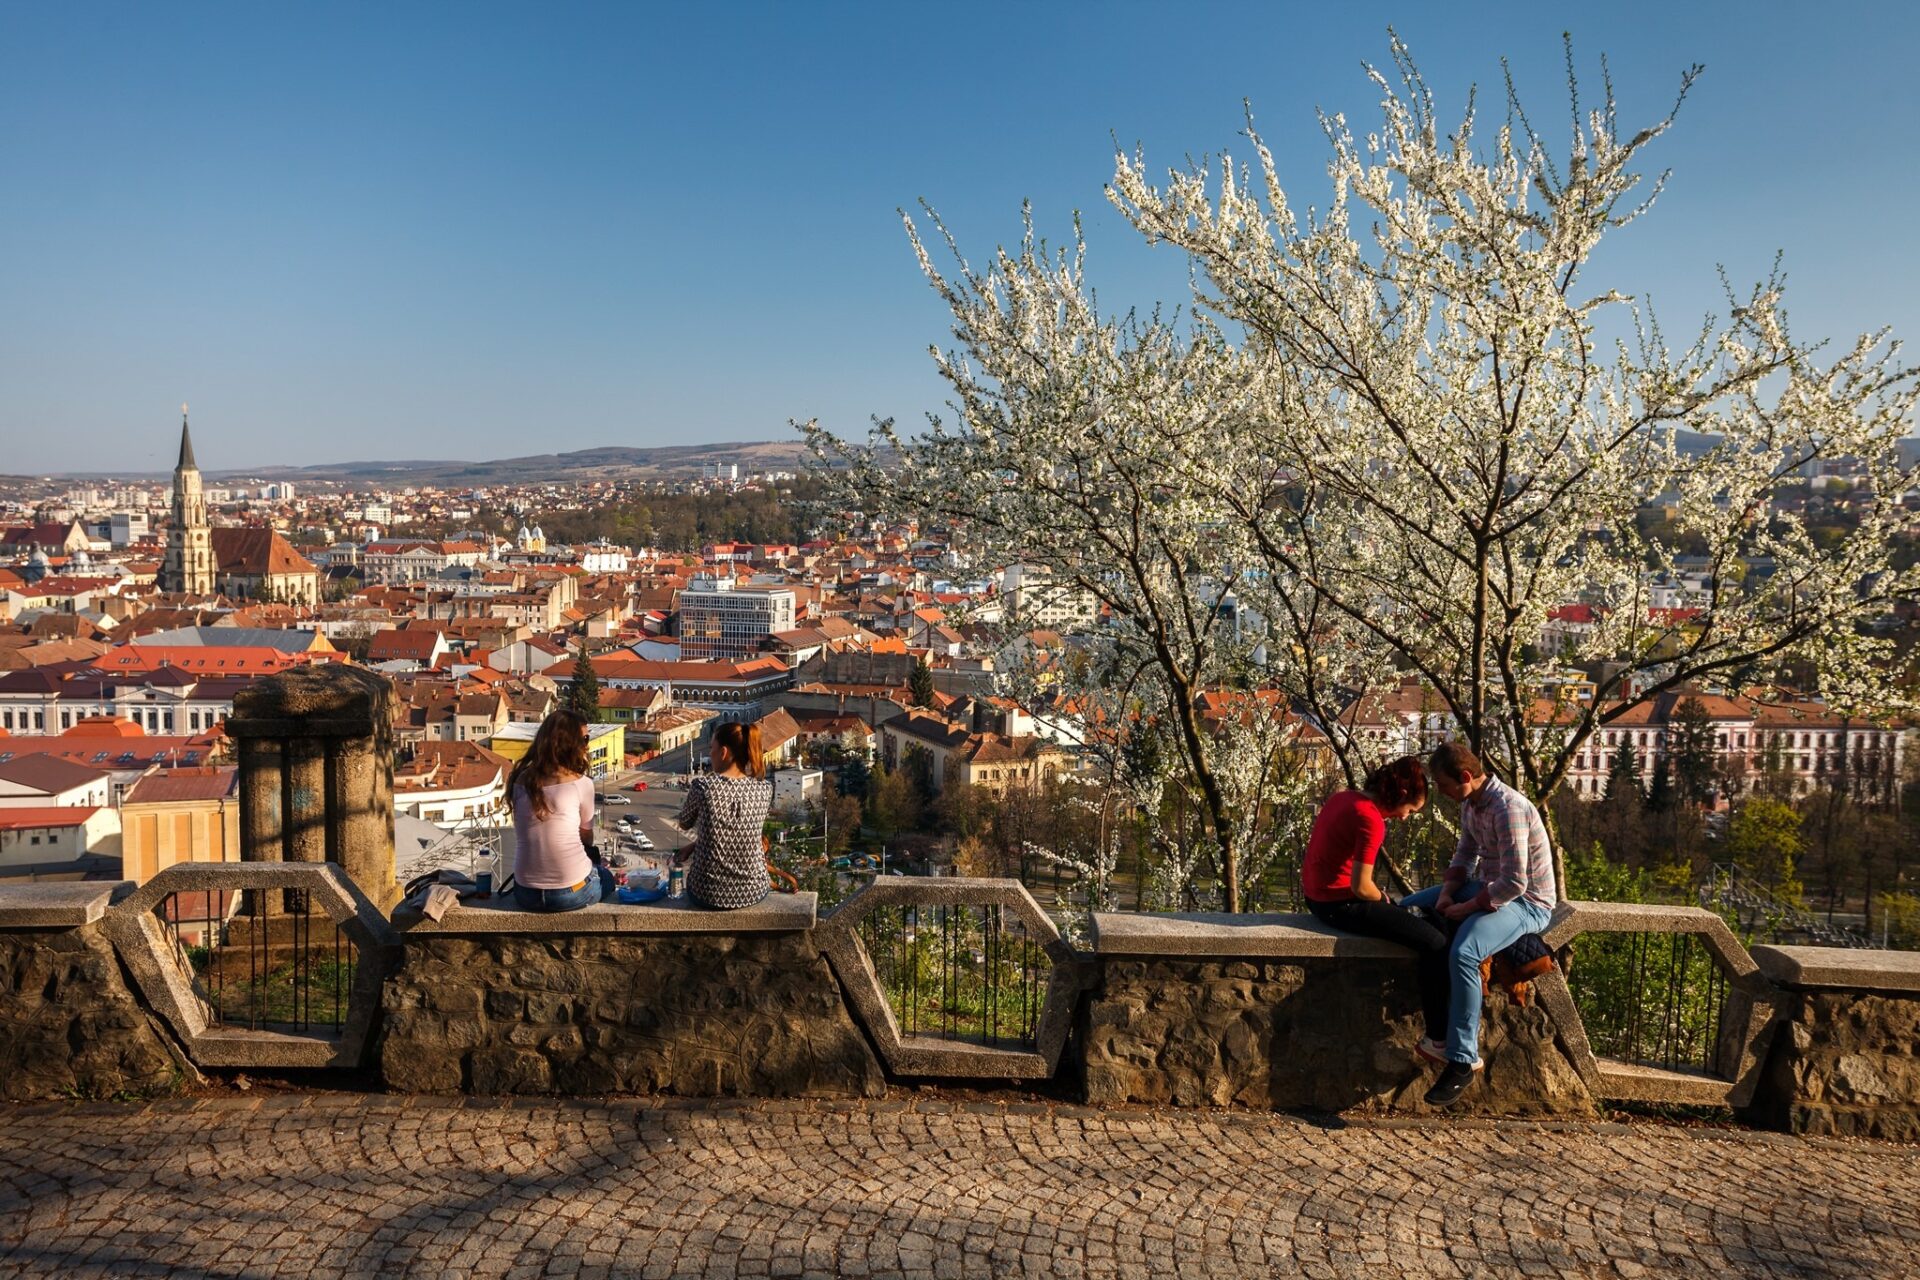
607, 463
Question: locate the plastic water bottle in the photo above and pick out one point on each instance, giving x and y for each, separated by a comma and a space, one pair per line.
676, 882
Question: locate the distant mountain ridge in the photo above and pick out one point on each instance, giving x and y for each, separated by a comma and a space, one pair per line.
607, 462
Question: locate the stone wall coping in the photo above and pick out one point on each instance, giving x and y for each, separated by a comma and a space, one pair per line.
1210, 934
777, 913
1845, 967
58, 904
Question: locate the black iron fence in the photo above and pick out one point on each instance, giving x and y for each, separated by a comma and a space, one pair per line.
265, 960
1652, 999
969, 973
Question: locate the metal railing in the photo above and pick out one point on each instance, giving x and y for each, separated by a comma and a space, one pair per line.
1759, 911
965, 973
1651, 999
266, 960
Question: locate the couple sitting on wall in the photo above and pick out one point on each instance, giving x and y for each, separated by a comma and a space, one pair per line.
553, 797
1498, 888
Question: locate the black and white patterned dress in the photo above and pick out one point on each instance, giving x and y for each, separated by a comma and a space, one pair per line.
727, 817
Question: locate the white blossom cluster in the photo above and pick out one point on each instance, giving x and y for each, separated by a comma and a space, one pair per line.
1391, 431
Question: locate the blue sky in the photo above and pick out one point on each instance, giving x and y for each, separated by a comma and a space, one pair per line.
398, 231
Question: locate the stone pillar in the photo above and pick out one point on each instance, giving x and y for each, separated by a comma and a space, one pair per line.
262, 810
316, 772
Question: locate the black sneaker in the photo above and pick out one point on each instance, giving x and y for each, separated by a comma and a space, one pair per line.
1453, 1082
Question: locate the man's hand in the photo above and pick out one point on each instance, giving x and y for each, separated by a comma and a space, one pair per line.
1457, 911
1444, 901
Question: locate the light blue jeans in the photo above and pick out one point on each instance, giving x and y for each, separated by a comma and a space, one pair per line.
1481, 934
598, 888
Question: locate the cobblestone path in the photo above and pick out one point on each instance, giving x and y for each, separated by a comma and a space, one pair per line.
344, 1184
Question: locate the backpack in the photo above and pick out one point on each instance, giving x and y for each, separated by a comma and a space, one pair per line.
1516, 968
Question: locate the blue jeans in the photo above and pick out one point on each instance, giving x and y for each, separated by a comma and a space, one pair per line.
1482, 934
599, 886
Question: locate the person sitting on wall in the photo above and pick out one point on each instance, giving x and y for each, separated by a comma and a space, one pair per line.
726, 811
552, 798
1336, 878
1498, 888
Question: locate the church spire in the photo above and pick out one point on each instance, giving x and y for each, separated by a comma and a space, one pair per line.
186, 443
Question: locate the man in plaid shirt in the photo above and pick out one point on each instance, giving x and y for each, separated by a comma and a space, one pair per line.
1498, 888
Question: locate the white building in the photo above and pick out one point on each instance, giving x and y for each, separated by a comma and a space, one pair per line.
721, 621
795, 789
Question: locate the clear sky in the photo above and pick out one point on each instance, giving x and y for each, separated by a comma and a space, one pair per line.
470, 230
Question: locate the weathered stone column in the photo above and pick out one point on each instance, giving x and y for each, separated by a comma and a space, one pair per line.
262, 804
316, 772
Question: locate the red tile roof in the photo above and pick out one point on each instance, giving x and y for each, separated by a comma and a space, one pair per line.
184, 785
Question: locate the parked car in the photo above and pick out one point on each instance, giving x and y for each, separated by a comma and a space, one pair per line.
639, 786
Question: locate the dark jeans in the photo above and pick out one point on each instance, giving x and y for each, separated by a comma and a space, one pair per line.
1397, 924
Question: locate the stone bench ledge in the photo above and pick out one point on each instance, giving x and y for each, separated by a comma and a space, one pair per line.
1840, 967
778, 913
58, 904
1213, 935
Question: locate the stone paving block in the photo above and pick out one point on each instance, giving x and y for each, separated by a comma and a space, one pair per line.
284, 1188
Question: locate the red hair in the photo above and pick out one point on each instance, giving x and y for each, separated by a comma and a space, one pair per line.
741, 742
1398, 782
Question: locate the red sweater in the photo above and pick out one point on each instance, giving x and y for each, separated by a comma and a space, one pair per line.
1348, 831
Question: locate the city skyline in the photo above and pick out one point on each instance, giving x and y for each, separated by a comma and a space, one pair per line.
482, 234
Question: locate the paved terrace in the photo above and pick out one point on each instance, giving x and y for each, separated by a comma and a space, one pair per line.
338, 1184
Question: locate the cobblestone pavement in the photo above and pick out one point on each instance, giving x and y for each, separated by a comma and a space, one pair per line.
341, 1184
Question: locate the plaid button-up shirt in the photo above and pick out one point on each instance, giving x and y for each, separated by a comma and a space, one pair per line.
1503, 844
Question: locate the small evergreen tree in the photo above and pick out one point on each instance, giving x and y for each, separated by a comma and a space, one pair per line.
921, 686
1696, 764
1623, 775
853, 776
1660, 794
583, 699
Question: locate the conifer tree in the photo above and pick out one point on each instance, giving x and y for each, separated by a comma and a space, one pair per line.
1623, 776
921, 686
584, 697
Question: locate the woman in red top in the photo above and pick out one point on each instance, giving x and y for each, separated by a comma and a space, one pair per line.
1337, 879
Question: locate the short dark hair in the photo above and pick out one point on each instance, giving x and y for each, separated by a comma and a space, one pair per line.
1398, 782
1455, 761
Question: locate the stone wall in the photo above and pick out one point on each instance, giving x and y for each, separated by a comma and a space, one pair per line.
694, 1014
1844, 1062
1332, 1034
69, 1025
1845, 1057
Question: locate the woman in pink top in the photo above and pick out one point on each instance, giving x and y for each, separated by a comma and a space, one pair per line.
553, 820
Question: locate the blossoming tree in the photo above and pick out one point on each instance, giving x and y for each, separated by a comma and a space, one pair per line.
1398, 433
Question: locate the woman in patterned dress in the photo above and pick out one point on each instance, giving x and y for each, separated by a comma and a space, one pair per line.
726, 810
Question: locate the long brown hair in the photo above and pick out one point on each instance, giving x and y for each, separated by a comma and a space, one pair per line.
741, 742
559, 746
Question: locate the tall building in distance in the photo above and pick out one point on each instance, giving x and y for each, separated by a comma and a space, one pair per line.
721, 621
189, 564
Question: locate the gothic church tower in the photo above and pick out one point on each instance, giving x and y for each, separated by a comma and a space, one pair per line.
189, 563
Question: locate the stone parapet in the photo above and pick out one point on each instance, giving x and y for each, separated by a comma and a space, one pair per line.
70, 1023
1218, 934
593, 1012
777, 913
1825, 968
1845, 1057
58, 904
1328, 1033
